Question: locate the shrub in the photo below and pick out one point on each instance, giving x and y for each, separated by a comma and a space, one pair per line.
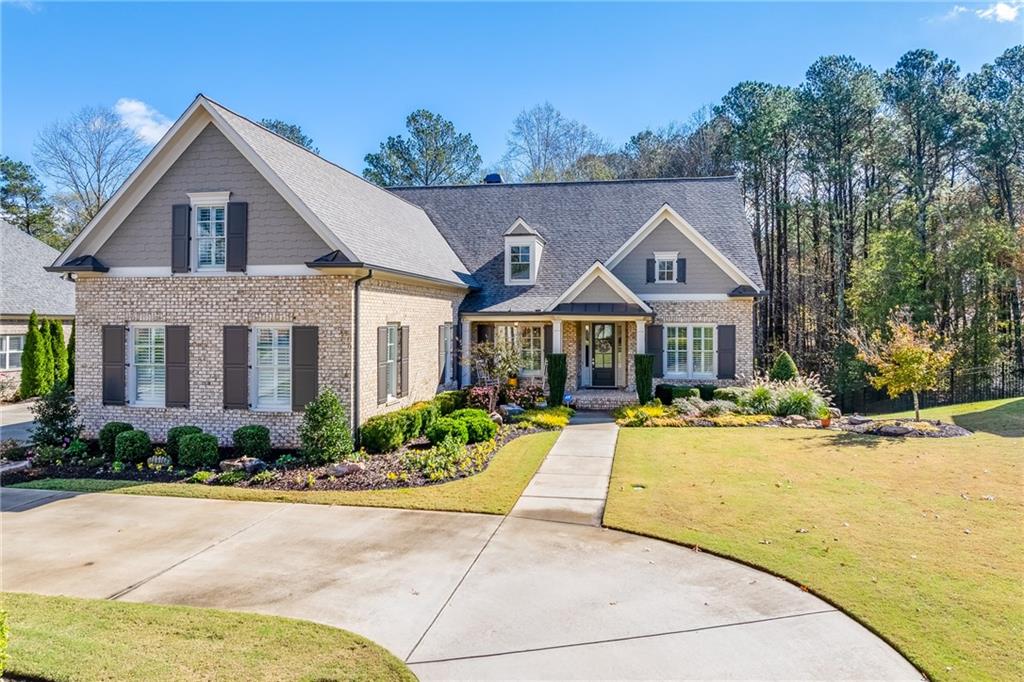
760, 399
798, 400
449, 401
783, 369
383, 433
706, 391
471, 412
32, 360
252, 441
547, 418
231, 477
639, 415
445, 460
483, 397
262, 477
526, 396
132, 446
108, 434
48, 456
447, 426
429, 412
324, 434
644, 364
77, 450
732, 393
716, 408
688, 407
286, 462
56, 417
55, 334
557, 374
669, 393
479, 428
201, 476
412, 423
198, 451
740, 419
174, 436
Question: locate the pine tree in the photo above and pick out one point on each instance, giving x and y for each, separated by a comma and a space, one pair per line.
71, 356
60, 352
31, 359
45, 358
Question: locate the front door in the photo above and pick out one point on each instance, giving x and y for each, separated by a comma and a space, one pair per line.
603, 366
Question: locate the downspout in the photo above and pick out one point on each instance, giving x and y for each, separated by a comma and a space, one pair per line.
355, 356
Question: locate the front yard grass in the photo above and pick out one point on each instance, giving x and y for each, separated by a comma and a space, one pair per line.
62, 638
920, 539
493, 491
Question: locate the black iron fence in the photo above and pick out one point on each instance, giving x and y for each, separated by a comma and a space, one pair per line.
959, 385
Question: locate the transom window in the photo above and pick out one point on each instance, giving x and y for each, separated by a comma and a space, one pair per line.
211, 238
11, 346
272, 368
519, 262
149, 364
690, 350
391, 360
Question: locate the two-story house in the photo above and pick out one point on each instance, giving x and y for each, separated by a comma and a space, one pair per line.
235, 274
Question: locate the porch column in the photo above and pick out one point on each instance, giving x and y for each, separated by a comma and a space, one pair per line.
467, 341
556, 336
641, 336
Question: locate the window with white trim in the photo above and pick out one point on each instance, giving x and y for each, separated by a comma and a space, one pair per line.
149, 368
519, 262
690, 351
447, 349
211, 237
391, 360
665, 267
11, 346
531, 348
272, 367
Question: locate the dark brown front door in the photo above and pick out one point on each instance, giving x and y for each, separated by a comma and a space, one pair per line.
603, 369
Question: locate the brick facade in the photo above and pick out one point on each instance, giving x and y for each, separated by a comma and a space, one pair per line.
206, 305
738, 311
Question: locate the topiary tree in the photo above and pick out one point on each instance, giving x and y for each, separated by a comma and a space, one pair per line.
906, 358
31, 359
55, 332
556, 379
56, 417
46, 365
324, 434
644, 365
71, 356
783, 369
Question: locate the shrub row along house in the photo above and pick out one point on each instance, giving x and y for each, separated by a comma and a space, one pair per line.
235, 274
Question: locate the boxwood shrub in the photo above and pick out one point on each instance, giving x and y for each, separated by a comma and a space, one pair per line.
429, 412
479, 426
447, 426
666, 393
731, 393
252, 441
108, 434
383, 433
132, 447
707, 391
174, 436
198, 451
449, 401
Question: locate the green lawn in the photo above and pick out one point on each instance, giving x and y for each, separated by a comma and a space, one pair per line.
920, 539
60, 638
493, 491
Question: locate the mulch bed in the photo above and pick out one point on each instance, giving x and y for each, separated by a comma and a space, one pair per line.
904, 428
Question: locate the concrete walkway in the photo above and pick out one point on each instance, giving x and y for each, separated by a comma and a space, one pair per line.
571, 484
457, 596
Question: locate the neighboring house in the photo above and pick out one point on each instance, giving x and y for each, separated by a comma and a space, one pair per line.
25, 286
235, 274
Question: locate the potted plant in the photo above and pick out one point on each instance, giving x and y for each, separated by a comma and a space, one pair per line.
825, 415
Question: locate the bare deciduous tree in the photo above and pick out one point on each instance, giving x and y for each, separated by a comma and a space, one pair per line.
87, 156
544, 145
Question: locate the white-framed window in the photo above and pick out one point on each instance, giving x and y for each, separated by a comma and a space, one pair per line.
391, 361
211, 237
148, 370
531, 348
690, 351
665, 267
519, 262
522, 259
272, 367
447, 350
11, 346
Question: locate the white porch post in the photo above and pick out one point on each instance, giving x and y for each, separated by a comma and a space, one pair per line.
641, 337
556, 336
466, 343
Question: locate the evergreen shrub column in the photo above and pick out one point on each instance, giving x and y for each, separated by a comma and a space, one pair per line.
644, 364
556, 379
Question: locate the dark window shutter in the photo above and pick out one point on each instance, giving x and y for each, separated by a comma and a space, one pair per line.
113, 365
549, 339
382, 365
236, 368
305, 361
727, 351
440, 354
681, 270
651, 264
403, 362
176, 385
180, 233
655, 347
238, 236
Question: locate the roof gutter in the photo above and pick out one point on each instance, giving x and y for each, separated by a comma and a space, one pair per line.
359, 265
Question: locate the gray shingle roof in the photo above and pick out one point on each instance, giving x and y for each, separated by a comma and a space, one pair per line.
24, 285
378, 227
580, 222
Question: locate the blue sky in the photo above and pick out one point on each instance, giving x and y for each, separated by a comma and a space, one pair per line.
350, 73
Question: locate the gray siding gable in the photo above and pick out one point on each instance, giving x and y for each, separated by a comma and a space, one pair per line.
277, 234
598, 291
703, 276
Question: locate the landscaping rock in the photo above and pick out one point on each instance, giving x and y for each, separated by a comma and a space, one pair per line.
893, 430
496, 418
858, 420
794, 420
835, 412
250, 465
509, 411
159, 461
345, 468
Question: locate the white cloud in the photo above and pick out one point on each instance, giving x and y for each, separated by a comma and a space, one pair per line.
148, 124
953, 13
1002, 12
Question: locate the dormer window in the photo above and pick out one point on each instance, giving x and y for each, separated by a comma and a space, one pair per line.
523, 247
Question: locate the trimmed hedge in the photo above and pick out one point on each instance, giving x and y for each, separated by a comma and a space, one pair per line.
132, 447
108, 436
174, 436
429, 412
447, 426
198, 451
252, 441
479, 426
644, 364
666, 393
707, 391
383, 433
449, 401
557, 374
